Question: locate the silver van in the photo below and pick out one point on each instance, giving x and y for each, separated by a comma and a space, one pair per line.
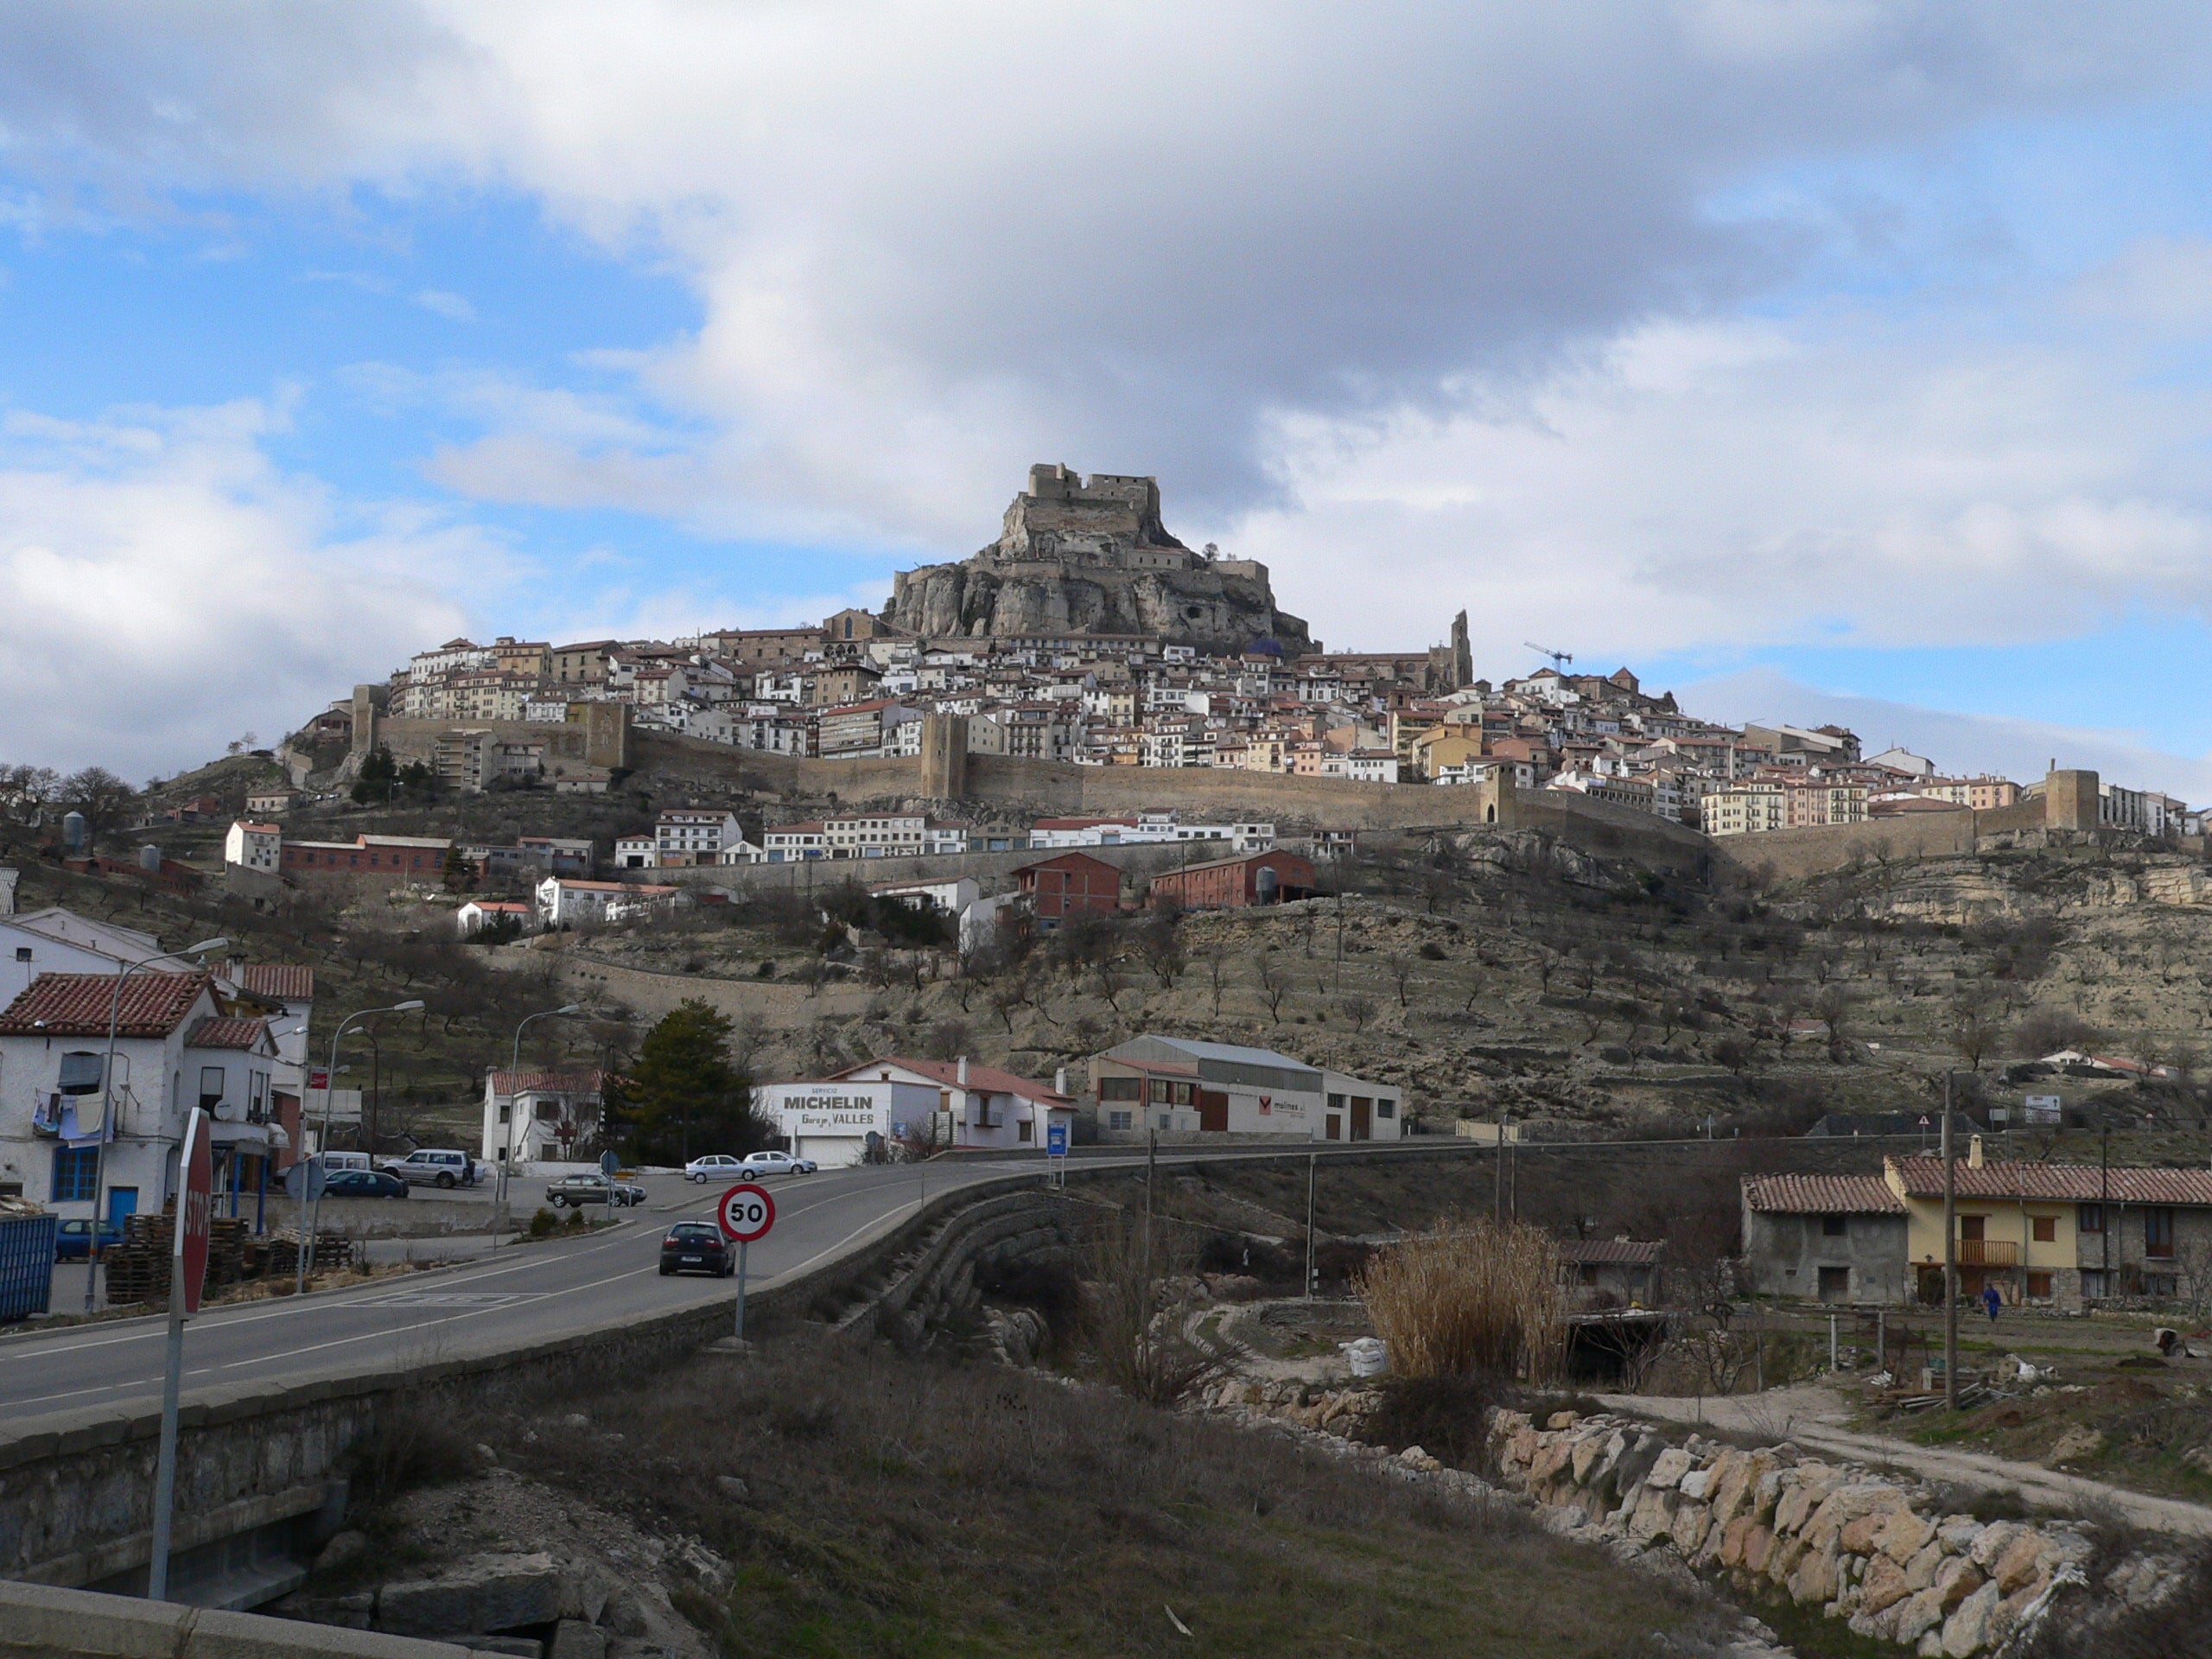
435, 1167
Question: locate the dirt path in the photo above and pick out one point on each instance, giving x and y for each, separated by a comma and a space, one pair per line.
1812, 1418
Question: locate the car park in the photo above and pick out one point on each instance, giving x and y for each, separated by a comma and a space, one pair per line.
435, 1167
759, 1163
716, 1166
591, 1189
72, 1239
696, 1247
364, 1183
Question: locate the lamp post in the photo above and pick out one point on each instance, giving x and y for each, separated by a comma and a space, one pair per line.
92, 1258
514, 1069
312, 1208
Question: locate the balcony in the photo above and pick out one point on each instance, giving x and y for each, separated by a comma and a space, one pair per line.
1988, 1253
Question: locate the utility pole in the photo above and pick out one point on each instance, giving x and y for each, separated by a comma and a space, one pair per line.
1312, 1172
1498, 1172
2104, 1204
1950, 1259
1513, 1176
1151, 1163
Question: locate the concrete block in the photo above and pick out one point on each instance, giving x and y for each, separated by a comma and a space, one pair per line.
574, 1639
486, 1593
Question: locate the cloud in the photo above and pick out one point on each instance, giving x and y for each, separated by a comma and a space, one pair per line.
1959, 744
449, 306
934, 245
163, 587
1844, 477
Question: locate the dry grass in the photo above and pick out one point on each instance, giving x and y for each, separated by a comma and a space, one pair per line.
901, 1505
1470, 1298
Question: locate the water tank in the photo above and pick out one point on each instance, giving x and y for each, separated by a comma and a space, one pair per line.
149, 858
1266, 885
73, 832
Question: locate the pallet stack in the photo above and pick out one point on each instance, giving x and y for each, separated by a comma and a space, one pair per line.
138, 1268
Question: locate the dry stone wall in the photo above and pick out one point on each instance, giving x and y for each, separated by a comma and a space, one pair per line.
1859, 1547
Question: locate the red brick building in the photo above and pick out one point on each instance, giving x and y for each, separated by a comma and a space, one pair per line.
1228, 883
1061, 885
417, 857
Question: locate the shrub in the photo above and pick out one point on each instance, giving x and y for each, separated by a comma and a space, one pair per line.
1443, 1415
413, 1444
543, 1223
1471, 1299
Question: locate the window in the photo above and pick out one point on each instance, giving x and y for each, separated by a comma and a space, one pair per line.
2038, 1286
1336, 1103
76, 1172
1167, 1120
1386, 1108
2095, 1284
2092, 1220
2158, 1233
1118, 1119
2046, 1229
80, 1073
1835, 1226
211, 1087
23, 953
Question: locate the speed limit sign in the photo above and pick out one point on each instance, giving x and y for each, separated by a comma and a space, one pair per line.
746, 1212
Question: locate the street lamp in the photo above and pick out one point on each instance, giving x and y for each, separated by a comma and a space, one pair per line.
92, 1260
507, 1153
306, 1252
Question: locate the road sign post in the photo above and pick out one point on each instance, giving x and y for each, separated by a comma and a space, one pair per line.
746, 1212
187, 1273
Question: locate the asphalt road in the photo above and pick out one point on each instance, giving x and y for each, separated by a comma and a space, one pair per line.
524, 1294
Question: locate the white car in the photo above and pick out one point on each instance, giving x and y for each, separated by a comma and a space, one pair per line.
757, 1164
715, 1165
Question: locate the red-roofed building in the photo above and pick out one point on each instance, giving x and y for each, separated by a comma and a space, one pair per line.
1829, 1238
84, 1142
533, 1115
416, 859
1058, 887
979, 1105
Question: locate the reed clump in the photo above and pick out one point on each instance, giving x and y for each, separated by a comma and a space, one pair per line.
1470, 1298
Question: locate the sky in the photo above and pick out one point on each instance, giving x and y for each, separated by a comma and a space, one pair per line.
1822, 360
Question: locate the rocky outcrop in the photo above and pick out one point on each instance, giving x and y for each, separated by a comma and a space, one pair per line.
1837, 1537
1079, 556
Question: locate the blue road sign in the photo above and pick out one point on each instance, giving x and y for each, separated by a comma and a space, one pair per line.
608, 1163
1056, 1140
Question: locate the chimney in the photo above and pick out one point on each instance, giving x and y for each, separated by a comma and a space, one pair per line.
1974, 1152
1060, 1081
961, 1077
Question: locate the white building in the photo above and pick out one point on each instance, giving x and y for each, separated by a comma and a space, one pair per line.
636, 853
472, 917
573, 904
529, 1115
254, 847
1179, 1086
694, 835
74, 1139
58, 941
976, 1105
839, 1123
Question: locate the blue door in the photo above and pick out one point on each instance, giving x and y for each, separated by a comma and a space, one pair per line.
122, 1204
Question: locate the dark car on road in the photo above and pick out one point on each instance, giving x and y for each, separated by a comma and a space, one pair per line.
695, 1247
72, 1239
591, 1189
364, 1183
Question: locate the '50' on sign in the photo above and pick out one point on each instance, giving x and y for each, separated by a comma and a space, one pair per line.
746, 1212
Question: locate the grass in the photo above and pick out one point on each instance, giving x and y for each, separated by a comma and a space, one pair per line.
901, 1505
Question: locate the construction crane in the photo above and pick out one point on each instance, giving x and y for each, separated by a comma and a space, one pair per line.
1560, 659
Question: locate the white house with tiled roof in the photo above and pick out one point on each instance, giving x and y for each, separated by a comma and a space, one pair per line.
81, 1143
546, 1114
982, 1105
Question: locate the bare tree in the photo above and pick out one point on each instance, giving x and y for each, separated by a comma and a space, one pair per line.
1359, 1008
1213, 955
1400, 967
1976, 1028
104, 799
1275, 985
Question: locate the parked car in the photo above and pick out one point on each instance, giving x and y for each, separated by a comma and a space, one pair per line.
758, 1163
435, 1167
714, 1166
591, 1189
72, 1239
364, 1183
696, 1247
332, 1162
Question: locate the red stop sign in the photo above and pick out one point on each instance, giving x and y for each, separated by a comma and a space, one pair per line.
195, 1207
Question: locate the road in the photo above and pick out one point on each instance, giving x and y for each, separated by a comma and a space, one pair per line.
525, 1293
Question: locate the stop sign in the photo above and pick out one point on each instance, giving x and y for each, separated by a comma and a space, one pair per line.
195, 1207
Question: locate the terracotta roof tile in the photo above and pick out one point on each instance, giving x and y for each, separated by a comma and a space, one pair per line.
1609, 1252
76, 1005
981, 1079
2017, 1178
284, 980
586, 1081
1822, 1195
217, 1031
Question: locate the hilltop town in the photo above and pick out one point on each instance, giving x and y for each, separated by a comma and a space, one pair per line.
1088, 635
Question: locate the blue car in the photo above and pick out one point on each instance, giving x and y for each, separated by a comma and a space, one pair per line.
72, 1239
